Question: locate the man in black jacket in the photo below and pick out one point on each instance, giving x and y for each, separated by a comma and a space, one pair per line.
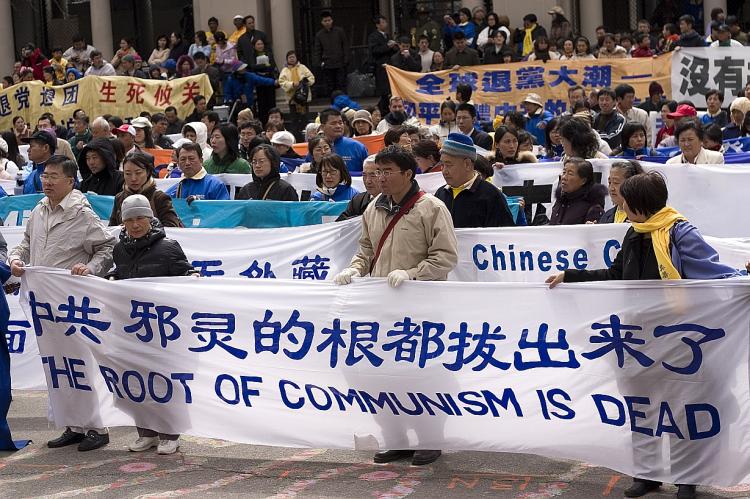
466, 116
406, 59
472, 201
359, 202
331, 53
689, 37
381, 48
245, 44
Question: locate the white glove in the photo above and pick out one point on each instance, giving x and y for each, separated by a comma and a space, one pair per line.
396, 277
345, 276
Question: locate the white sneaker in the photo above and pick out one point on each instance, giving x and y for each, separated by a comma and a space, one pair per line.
167, 447
143, 444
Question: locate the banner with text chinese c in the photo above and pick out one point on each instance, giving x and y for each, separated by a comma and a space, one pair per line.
499, 89
97, 95
593, 372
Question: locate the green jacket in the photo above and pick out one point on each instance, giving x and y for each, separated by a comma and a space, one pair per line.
215, 165
85, 138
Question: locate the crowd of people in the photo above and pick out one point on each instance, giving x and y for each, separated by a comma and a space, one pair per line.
104, 155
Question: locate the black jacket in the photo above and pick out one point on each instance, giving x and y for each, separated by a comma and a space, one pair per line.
481, 205
412, 63
481, 139
331, 48
493, 57
636, 260
107, 182
380, 53
691, 39
153, 255
609, 216
356, 206
584, 205
246, 44
271, 186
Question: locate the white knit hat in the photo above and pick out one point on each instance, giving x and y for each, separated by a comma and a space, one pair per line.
136, 205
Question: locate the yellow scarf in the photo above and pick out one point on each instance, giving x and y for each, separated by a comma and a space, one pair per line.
528, 42
659, 226
620, 216
295, 74
460, 188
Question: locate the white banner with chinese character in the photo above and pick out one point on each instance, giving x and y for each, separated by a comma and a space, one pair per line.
695, 71
647, 378
708, 195
519, 254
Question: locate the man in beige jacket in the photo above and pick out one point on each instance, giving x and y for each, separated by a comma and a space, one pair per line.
64, 232
421, 246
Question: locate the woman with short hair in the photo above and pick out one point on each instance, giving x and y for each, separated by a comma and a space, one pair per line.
579, 199
333, 181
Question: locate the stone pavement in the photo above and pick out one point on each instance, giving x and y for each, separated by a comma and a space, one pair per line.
205, 467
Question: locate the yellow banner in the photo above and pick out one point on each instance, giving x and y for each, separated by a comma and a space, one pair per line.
500, 88
97, 95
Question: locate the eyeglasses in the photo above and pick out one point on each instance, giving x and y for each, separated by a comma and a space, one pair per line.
51, 178
386, 173
329, 173
258, 161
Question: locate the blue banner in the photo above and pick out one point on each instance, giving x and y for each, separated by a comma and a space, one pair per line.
203, 214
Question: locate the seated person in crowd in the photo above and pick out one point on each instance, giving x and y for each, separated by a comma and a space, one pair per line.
471, 201
427, 154
317, 147
689, 135
196, 182
466, 116
333, 181
579, 199
196, 131
283, 142
619, 172
225, 158
99, 169
507, 150
633, 140
358, 203
267, 183
398, 136
138, 170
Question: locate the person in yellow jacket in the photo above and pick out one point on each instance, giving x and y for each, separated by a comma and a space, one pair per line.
290, 78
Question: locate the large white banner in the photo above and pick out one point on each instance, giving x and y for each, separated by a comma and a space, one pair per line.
319, 252
647, 378
707, 195
695, 71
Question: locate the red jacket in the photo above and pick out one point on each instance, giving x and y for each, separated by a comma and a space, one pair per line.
642, 52
37, 62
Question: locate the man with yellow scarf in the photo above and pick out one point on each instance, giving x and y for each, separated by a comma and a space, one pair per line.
530, 32
661, 244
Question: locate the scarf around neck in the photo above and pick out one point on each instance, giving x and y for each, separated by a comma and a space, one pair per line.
659, 226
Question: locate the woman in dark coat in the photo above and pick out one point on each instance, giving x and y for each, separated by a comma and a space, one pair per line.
98, 166
660, 244
139, 172
261, 62
267, 184
579, 198
144, 251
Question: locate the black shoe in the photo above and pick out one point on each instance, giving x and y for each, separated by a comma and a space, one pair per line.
685, 491
387, 456
422, 457
69, 437
93, 441
641, 487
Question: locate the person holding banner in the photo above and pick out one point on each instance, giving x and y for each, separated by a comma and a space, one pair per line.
689, 135
619, 172
660, 244
406, 235
64, 232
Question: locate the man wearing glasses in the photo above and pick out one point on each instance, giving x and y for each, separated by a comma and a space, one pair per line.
420, 245
64, 232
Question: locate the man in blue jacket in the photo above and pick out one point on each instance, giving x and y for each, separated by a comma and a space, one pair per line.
536, 117
41, 148
241, 83
353, 152
196, 184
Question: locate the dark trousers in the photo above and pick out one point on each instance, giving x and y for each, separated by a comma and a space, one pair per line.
335, 79
145, 432
265, 100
